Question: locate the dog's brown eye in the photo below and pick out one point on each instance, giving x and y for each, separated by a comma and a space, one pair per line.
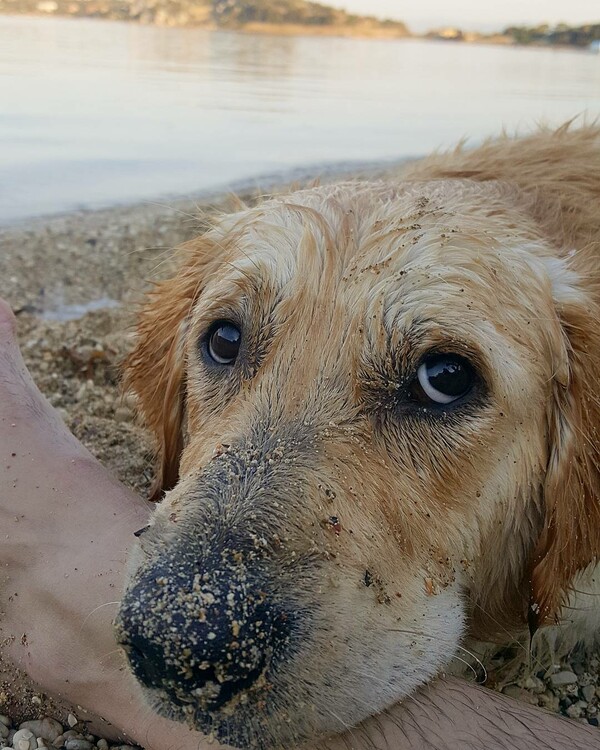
224, 340
443, 378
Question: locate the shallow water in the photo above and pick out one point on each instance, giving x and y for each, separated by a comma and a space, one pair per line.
94, 113
62, 312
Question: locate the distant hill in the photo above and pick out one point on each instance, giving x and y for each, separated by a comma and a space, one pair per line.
562, 34
291, 16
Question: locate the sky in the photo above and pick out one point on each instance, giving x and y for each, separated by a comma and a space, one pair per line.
481, 15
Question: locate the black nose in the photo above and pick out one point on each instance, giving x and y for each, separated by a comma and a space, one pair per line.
201, 635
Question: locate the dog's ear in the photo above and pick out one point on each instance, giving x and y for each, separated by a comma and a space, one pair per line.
155, 369
570, 538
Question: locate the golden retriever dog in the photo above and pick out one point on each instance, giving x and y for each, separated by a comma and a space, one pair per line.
377, 410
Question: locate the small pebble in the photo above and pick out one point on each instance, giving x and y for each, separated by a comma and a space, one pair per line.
72, 720
574, 711
588, 692
24, 739
122, 414
102, 744
534, 684
46, 728
550, 701
73, 744
560, 679
4, 731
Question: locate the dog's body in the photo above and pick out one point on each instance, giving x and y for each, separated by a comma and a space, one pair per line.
377, 409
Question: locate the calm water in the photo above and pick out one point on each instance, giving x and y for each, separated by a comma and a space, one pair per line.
94, 113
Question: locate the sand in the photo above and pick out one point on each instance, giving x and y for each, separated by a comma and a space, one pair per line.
50, 268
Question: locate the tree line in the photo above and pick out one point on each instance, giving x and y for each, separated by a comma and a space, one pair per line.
575, 36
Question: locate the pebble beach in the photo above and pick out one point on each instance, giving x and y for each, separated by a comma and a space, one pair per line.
74, 282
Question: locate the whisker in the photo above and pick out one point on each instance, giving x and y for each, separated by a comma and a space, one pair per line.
510, 636
109, 653
420, 634
100, 606
466, 663
478, 661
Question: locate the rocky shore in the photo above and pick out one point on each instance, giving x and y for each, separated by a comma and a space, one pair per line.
251, 16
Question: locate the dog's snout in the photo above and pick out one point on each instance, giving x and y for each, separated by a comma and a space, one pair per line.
201, 635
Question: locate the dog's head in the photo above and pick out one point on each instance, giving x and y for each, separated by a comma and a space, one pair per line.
377, 417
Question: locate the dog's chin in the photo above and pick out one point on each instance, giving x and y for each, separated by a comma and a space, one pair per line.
247, 721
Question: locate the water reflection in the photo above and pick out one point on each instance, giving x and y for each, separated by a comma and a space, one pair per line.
95, 112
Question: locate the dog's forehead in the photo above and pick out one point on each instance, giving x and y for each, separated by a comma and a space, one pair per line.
449, 249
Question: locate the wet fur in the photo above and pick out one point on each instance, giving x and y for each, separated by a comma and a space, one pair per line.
480, 522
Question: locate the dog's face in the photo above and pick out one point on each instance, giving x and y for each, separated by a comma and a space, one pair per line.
359, 393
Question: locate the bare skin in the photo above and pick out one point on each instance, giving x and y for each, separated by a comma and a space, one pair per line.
67, 525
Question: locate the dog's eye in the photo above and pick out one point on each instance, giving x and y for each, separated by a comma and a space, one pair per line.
443, 378
224, 340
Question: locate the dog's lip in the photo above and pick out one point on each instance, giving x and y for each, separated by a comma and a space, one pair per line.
217, 699
226, 725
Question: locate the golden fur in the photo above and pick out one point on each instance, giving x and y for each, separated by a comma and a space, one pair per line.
478, 521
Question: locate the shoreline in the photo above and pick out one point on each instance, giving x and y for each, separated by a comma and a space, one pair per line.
74, 258
364, 31
263, 183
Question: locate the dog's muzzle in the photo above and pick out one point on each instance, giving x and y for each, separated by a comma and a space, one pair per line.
202, 633
214, 615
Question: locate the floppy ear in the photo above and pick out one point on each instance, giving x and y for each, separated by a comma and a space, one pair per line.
570, 538
155, 369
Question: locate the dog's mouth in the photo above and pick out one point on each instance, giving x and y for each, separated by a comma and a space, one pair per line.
210, 692
239, 715
206, 637
241, 656
243, 729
